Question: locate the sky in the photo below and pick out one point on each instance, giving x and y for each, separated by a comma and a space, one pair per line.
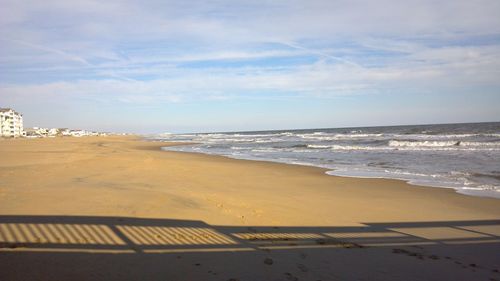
204, 66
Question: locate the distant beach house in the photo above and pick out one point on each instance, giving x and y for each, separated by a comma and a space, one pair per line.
36, 132
11, 123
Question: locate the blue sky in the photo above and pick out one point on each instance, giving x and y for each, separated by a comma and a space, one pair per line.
191, 66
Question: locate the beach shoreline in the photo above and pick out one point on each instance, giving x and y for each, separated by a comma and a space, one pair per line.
458, 156
333, 172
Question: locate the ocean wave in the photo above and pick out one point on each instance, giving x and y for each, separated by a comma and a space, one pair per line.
269, 149
239, 148
402, 143
396, 140
393, 145
346, 147
413, 174
437, 137
452, 143
483, 187
317, 146
261, 135
444, 136
493, 135
325, 136
432, 146
472, 143
226, 140
455, 179
251, 140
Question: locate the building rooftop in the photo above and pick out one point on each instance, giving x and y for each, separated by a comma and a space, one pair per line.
9, 109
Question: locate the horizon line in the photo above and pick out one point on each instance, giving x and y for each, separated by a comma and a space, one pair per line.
324, 128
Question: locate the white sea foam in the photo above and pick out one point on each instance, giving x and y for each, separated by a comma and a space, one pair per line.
318, 146
358, 147
401, 143
326, 137
410, 146
460, 184
265, 150
445, 145
239, 148
472, 143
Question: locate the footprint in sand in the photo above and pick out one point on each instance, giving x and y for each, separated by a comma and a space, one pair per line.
302, 267
257, 213
291, 277
268, 261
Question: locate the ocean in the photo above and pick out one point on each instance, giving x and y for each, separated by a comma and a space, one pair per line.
465, 157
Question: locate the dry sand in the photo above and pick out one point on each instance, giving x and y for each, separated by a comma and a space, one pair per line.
118, 208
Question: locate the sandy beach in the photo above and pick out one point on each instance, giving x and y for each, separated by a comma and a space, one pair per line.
120, 208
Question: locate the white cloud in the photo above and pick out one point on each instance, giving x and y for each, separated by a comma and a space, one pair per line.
132, 51
425, 69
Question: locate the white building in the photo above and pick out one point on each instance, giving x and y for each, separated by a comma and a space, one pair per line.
36, 132
53, 132
11, 123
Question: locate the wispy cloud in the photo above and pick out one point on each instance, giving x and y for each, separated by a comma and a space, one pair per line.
49, 50
174, 52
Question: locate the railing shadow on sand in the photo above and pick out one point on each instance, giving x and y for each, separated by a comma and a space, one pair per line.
146, 235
